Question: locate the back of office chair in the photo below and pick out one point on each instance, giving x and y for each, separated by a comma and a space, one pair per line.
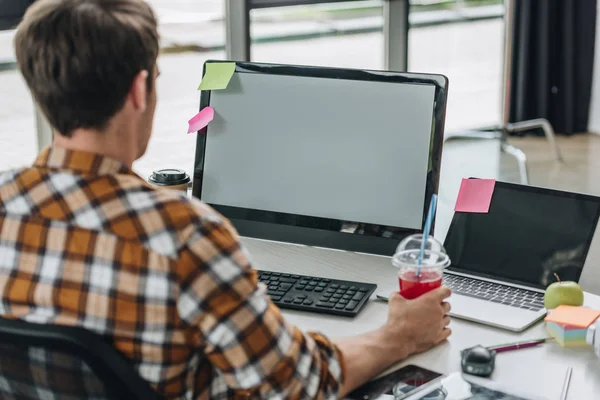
64, 363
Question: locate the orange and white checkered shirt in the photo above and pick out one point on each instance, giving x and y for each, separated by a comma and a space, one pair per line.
84, 241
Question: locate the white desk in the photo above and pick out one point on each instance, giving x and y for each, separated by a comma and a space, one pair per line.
538, 370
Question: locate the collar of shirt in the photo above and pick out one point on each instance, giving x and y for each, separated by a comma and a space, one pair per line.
82, 162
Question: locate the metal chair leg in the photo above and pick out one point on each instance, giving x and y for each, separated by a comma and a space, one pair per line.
521, 160
538, 123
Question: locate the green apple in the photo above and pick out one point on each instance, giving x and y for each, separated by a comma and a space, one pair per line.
563, 293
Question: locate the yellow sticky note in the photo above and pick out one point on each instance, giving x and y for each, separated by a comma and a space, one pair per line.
575, 316
217, 76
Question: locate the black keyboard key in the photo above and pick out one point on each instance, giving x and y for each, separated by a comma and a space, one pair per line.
318, 289
303, 282
362, 289
300, 287
275, 292
288, 299
275, 274
350, 293
324, 304
339, 306
326, 280
307, 302
340, 291
358, 296
330, 290
275, 298
313, 283
343, 301
336, 296
347, 297
273, 287
497, 300
286, 275
323, 298
344, 287
296, 276
309, 288
298, 301
274, 278
285, 286
314, 278
287, 280
322, 284
301, 296
351, 305
267, 273
334, 286
353, 288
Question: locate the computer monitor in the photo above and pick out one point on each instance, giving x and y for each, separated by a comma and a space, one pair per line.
329, 157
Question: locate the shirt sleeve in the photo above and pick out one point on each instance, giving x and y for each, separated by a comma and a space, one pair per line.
247, 339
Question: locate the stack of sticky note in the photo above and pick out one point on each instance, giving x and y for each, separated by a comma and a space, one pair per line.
569, 324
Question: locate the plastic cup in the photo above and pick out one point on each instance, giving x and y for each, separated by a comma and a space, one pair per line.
415, 279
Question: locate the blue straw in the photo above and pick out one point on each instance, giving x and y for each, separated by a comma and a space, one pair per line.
426, 229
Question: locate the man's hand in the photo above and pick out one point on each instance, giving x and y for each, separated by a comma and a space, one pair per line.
417, 325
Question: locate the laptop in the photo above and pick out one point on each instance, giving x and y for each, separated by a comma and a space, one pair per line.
502, 261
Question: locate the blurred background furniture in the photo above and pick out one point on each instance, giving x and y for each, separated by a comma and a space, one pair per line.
503, 131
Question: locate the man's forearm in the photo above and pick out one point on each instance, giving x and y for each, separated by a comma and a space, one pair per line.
366, 356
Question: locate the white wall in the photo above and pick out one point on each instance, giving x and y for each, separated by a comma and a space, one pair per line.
594, 121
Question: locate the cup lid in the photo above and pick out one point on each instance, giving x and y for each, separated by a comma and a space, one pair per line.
431, 258
169, 176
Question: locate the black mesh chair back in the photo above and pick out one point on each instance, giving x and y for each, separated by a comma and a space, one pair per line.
64, 363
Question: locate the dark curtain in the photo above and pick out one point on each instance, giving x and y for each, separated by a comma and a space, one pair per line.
553, 61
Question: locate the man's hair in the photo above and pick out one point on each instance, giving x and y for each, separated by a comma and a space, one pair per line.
79, 57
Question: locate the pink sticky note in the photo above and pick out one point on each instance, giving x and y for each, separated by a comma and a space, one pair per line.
201, 119
475, 195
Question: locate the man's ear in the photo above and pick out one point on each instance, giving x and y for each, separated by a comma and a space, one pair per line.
139, 91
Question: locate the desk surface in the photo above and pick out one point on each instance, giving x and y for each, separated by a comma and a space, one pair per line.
538, 370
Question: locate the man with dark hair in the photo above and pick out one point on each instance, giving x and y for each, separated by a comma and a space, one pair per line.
84, 241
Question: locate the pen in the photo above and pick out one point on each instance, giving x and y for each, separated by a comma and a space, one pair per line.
565, 389
518, 345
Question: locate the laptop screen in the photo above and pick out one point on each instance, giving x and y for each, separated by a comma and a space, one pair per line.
528, 235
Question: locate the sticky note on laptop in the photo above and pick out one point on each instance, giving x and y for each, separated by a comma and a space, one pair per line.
217, 75
475, 195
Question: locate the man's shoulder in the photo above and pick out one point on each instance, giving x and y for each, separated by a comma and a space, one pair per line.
164, 219
123, 205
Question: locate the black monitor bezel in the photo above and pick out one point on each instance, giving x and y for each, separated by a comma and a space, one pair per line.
363, 243
532, 189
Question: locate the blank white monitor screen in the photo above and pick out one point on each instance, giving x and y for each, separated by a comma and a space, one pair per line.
333, 148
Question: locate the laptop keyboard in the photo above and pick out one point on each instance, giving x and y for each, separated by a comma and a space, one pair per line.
494, 292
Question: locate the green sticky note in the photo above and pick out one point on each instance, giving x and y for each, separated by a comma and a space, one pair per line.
217, 76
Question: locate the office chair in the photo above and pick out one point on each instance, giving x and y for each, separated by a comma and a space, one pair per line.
502, 132
40, 361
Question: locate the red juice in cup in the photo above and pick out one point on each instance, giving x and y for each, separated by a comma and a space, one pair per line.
417, 278
412, 286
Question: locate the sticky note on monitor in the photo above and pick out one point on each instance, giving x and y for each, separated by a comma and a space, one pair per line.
475, 196
201, 119
217, 75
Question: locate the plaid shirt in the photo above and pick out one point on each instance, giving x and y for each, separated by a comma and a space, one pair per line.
84, 241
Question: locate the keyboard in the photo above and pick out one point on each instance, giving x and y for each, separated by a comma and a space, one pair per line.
315, 294
495, 292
